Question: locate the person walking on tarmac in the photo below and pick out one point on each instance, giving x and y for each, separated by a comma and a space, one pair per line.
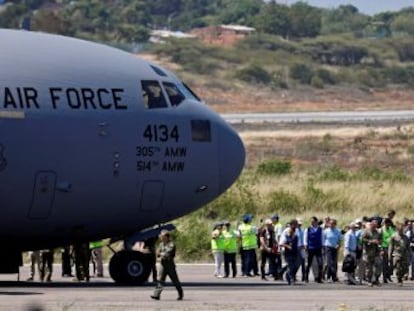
217, 247
230, 249
166, 253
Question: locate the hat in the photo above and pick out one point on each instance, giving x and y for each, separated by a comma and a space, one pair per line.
217, 225
299, 220
268, 221
247, 217
164, 233
275, 217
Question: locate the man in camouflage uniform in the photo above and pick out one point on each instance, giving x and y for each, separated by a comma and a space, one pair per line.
372, 252
399, 251
166, 253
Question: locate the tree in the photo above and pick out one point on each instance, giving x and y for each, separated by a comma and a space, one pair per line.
306, 20
274, 19
345, 18
404, 23
239, 11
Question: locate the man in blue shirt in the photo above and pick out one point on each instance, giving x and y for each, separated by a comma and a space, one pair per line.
350, 248
332, 242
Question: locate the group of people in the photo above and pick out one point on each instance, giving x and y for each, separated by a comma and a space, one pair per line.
80, 255
373, 247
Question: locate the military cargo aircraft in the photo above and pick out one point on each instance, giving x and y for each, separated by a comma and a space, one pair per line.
96, 143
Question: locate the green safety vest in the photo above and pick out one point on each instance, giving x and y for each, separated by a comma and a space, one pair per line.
95, 244
217, 244
248, 236
230, 242
386, 236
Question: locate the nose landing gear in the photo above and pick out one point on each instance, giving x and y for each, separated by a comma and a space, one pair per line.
130, 267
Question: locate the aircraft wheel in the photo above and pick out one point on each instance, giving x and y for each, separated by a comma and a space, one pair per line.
130, 267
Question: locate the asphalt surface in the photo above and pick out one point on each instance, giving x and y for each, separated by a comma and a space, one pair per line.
202, 291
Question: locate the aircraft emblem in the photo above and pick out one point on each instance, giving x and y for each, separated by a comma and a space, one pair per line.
3, 161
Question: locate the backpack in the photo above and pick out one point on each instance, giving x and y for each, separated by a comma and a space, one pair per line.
349, 264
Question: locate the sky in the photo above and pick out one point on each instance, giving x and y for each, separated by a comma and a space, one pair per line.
365, 6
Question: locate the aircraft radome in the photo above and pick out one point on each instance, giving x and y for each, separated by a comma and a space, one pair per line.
96, 143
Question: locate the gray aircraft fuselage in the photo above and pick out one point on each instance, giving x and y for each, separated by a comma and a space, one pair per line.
83, 156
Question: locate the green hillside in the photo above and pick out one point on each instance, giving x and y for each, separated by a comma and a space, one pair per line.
293, 45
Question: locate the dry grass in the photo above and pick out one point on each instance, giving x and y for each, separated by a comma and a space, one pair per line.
312, 150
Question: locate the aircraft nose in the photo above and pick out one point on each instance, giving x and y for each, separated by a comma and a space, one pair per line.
231, 157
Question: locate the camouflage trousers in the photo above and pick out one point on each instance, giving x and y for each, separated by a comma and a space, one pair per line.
401, 266
373, 268
167, 269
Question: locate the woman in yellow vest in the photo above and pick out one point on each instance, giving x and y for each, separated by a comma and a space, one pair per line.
217, 247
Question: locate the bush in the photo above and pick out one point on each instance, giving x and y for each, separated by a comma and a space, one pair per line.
284, 202
302, 73
317, 82
254, 74
334, 173
400, 75
405, 50
266, 42
326, 76
274, 167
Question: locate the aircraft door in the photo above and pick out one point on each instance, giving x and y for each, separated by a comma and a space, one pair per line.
43, 195
152, 195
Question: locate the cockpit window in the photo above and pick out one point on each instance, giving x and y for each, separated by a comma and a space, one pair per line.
191, 92
174, 94
158, 70
152, 94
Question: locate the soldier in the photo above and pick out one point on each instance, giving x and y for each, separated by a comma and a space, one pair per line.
46, 267
34, 261
66, 262
82, 254
371, 240
399, 251
166, 253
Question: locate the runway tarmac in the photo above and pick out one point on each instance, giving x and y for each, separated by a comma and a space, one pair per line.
202, 291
